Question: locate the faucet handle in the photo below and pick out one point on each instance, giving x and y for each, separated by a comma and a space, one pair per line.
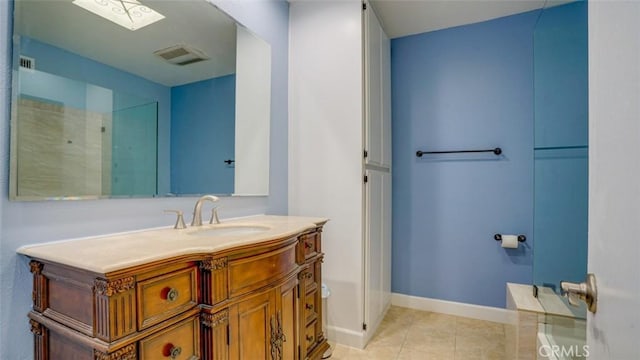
585, 291
179, 221
214, 216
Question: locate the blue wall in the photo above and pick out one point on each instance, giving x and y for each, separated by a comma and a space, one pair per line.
203, 132
34, 222
561, 76
469, 87
55, 89
561, 145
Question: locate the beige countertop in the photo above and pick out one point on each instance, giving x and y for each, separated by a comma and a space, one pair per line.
107, 253
522, 298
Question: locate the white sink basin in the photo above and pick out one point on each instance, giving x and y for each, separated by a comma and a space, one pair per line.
229, 230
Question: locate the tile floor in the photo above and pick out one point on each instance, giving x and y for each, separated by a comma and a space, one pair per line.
407, 334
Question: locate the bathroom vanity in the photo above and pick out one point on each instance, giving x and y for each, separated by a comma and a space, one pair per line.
245, 289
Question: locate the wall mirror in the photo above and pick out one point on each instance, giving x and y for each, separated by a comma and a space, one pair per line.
115, 98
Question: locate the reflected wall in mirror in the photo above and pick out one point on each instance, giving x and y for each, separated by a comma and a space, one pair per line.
180, 106
561, 153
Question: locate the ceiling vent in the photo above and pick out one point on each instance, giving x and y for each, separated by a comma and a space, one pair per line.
181, 55
27, 62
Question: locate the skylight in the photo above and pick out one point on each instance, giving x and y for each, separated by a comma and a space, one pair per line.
130, 14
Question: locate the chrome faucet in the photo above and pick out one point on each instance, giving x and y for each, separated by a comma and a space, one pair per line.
197, 211
179, 220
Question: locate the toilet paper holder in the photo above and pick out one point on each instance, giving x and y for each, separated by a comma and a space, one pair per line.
498, 237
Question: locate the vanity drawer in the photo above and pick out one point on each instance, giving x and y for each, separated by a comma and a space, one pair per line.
308, 277
309, 245
311, 307
256, 271
162, 297
179, 342
310, 336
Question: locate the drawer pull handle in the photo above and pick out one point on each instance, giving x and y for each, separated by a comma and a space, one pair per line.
170, 294
175, 352
308, 275
309, 338
307, 245
309, 306
172, 351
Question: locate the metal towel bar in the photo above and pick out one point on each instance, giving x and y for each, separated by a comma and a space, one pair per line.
496, 151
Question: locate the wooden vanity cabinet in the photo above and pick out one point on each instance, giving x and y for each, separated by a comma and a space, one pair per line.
264, 326
259, 301
312, 338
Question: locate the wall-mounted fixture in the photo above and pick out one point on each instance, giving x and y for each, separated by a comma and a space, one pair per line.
510, 241
520, 238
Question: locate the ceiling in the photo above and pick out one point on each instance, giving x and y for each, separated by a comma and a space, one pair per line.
407, 17
67, 26
62, 24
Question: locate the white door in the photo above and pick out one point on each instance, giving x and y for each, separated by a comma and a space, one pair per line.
377, 247
377, 90
377, 204
385, 101
613, 332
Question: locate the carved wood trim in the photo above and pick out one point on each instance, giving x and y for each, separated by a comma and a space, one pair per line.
213, 264
39, 291
214, 280
277, 337
115, 316
214, 320
36, 328
114, 308
40, 340
111, 287
214, 339
126, 353
36, 267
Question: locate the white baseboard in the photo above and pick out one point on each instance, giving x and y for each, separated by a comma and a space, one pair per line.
356, 339
479, 312
372, 328
346, 337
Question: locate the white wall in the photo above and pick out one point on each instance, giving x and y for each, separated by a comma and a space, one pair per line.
614, 177
253, 111
325, 146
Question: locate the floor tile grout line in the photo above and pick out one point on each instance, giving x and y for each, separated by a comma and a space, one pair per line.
404, 338
412, 319
455, 337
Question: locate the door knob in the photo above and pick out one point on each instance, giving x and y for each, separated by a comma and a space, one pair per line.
585, 291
